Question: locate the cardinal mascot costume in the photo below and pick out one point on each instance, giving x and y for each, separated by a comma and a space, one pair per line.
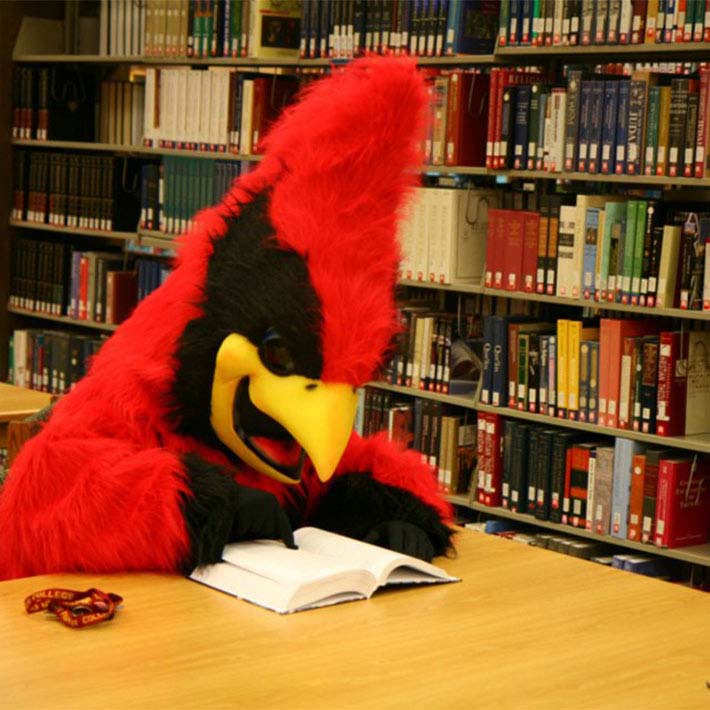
223, 408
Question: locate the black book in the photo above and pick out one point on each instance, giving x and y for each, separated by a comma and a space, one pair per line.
532, 470
543, 464
519, 472
507, 473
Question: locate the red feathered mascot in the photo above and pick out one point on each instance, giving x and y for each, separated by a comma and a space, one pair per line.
223, 408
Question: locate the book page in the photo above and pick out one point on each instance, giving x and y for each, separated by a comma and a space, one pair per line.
378, 560
273, 560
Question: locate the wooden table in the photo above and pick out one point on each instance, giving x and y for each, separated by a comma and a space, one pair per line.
18, 403
525, 628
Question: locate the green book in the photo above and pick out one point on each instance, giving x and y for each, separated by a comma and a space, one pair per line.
236, 27
503, 20
614, 225
626, 254
639, 240
536, 23
650, 149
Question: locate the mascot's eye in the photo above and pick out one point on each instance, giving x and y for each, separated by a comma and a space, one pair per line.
275, 354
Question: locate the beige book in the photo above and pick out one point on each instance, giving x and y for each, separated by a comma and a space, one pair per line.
667, 268
698, 394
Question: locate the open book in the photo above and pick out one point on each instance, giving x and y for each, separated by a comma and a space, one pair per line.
325, 569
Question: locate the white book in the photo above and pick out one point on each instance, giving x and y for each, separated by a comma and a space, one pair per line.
421, 238
149, 113
141, 27
698, 393
245, 130
434, 235
566, 238
183, 100
205, 109
20, 365
405, 238
449, 200
325, 569
194, 91
706, 281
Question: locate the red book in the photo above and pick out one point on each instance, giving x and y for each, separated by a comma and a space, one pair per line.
494, 457
703, 122
495, 247
513, 254
121, 295
638, 472
492, 108
529, 259
481, 453
683, 503
638, 21
83, 287
466, 114
573, 466
611, 337
672, 384
578, 491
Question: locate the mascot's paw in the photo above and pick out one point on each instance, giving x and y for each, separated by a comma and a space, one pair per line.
259, 516
402, 537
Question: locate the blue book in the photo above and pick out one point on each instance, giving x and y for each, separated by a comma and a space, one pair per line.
544, 373
595, 126
476, 27
487, 375
591, 240
624, 452
585, 109
452, 25
608, 147
622, 127
552, 376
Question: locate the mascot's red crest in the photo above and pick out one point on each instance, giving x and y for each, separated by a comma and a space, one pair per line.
339, 165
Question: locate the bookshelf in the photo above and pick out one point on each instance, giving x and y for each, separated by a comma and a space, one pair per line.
503, 56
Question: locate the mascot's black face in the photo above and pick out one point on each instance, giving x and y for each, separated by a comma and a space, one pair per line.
249, 370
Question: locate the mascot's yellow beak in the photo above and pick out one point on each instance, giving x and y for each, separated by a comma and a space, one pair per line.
318, 415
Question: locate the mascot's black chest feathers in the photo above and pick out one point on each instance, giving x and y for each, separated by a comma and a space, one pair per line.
260, 291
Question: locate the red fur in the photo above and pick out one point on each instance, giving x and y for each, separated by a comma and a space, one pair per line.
99, 488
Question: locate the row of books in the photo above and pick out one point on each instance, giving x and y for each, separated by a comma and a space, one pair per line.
50, 360
546, 23
121, 112
101, 286
431, 353
122, 27
174, 190
446, 440
68, 190
220, 109
53, 103
220, 28
648, 124
627, 374
443, 234
596, 551
601, 248
425, 28
621, 488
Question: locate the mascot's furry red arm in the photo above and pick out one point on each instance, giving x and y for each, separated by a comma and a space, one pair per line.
223, 408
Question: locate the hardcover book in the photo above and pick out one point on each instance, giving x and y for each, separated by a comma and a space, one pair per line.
266, 573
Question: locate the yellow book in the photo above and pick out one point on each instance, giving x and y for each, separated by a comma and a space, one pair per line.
664, 120
562, 366
576, 335
651, 15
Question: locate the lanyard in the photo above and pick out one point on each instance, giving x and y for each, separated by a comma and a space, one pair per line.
72, 608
